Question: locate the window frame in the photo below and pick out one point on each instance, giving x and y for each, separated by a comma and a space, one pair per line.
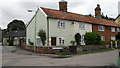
102, 38
113, 37
82, 26
118, 29
61, 23
62, 41
112, 29
101, 28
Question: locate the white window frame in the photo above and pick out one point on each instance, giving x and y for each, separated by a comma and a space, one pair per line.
102, 37
112, 29
82, 38
113, 38
118, 29
82, 26
62, 41
100, 28
61, 23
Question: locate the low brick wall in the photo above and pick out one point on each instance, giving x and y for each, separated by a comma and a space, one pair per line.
90, 48
40, 49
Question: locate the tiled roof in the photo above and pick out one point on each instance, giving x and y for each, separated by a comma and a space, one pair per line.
52, 13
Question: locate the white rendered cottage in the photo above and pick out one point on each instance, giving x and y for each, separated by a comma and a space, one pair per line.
60, 26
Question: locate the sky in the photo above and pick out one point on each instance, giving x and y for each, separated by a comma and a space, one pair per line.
18, 9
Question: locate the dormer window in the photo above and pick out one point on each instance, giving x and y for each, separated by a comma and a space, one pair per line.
61, 23
100, 28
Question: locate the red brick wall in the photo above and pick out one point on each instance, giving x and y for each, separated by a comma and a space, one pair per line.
106, 33
39, 49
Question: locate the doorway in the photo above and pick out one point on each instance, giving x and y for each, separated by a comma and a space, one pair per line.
53, 41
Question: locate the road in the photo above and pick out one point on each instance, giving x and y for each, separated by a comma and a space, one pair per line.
96, 59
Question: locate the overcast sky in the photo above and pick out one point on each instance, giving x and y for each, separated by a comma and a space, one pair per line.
17, 9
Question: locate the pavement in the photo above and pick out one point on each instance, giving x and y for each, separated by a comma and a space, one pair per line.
21, 57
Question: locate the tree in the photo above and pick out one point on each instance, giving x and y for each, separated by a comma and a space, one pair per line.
78, 38
42, 35
16, 25
4, 32
92, 38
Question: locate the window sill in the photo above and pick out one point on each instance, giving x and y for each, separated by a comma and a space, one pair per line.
61, 27
100, 30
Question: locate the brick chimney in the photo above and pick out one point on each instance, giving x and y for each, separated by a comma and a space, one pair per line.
63, 6
98, 12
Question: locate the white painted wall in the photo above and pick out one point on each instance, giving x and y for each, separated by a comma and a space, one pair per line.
68, 32
41, 23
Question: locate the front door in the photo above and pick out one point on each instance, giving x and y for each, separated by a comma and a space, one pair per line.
53, 41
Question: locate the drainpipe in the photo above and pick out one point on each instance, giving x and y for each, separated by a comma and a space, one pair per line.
47, 31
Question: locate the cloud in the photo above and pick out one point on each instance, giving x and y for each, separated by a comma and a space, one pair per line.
17, 9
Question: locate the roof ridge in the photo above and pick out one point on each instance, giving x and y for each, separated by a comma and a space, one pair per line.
53, 13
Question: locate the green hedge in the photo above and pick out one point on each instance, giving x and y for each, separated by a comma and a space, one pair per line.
92, 38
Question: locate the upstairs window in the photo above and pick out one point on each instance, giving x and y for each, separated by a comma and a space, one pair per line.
112, 29
81, 25
61, 23
118, 29
100, 28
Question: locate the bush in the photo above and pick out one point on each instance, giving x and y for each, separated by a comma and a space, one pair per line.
42, 35
102, 42
92, 38
72, 42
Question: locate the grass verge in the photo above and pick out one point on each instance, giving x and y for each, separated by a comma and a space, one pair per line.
89, 52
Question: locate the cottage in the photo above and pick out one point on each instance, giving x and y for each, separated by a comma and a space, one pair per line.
14, 37
61, 26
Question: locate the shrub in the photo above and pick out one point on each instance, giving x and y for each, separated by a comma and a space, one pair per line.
92, 38
42, 35
102, 42
72, 42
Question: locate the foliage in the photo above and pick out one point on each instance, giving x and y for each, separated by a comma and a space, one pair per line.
64, 53
78, 38
104, 17
92, 38
90, 15
16, 25
10, 41
31, 43
72, 42
102, 42
42, 35
4, 32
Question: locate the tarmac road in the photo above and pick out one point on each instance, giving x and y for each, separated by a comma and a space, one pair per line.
95, 59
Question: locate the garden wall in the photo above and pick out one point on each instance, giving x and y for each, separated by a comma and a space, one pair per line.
90, 48
40, 49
